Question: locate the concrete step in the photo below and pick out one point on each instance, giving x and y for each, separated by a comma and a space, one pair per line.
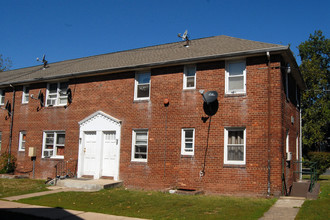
300, 189
89, 184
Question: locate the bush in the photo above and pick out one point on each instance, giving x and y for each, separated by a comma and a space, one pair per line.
322, 160
6, 167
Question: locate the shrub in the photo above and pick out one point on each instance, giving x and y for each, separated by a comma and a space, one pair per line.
322, 160
5, 166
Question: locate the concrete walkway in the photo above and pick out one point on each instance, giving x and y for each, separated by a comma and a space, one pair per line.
15, 210
285, 208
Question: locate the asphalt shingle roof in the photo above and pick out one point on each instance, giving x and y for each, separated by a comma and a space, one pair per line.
204, 48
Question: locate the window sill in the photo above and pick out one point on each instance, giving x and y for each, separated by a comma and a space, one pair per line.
139, 162
189, 89
21, 151
234, 166
141, 100
235, 94
186, 156
58, 157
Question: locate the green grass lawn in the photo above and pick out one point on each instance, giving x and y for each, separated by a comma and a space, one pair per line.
320, 208
14, 187
157, 205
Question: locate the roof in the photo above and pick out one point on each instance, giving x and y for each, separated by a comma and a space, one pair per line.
166, 54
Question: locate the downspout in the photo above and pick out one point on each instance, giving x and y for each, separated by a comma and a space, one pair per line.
300, 146
269, 118
11, 123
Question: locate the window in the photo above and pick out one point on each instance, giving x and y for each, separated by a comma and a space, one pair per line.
53, 144
140, 145
142, 86
189, 77
235, 146
2, 97
235, 77
57, 94
187, 141
25, 95
22, 141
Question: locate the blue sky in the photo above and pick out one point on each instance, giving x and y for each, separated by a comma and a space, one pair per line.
64, 29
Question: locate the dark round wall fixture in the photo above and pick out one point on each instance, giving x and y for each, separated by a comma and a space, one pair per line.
211, 108
211, 103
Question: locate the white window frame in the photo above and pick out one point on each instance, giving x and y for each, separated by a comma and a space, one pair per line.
56, 100
185, 76
2, 96
240, 91
234, 162
184, 150
55, 145
137, 84
25, 95
134, 132
22, 141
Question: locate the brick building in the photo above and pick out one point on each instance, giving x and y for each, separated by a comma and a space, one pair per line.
107, 113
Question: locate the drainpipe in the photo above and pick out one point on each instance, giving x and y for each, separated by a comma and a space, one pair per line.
268, 119
11, 123
300, 146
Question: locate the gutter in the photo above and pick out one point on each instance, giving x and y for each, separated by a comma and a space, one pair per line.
149, 65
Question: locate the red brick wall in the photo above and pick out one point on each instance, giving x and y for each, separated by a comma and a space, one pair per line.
114, 94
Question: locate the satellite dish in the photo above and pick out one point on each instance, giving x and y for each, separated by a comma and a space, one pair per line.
39, 94
8, 108
44, 61
211, 103
184, 36
41, 98
69, 93
210, 96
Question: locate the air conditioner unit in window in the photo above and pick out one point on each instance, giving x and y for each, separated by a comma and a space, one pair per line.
288, 156
47, 154
51, 102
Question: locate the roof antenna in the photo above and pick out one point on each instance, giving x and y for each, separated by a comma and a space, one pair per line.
185, 37
44, 61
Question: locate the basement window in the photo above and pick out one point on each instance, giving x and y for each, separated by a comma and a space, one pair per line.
235, 146
53, 144
2, 97
57, 94
140, 145
187, 141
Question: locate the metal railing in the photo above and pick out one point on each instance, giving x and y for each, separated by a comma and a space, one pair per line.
65, 169
308, 168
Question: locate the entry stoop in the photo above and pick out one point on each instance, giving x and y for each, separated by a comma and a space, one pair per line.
300, 189
89, 184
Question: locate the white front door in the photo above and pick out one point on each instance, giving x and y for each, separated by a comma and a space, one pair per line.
99, 146
109, 164
90, 149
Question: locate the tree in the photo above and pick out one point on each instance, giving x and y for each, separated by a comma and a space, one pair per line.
315, 68
5, 63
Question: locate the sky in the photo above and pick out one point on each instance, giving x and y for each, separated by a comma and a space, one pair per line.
70, 29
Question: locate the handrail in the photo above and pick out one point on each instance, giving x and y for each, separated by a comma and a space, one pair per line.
312, 168
65, 169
